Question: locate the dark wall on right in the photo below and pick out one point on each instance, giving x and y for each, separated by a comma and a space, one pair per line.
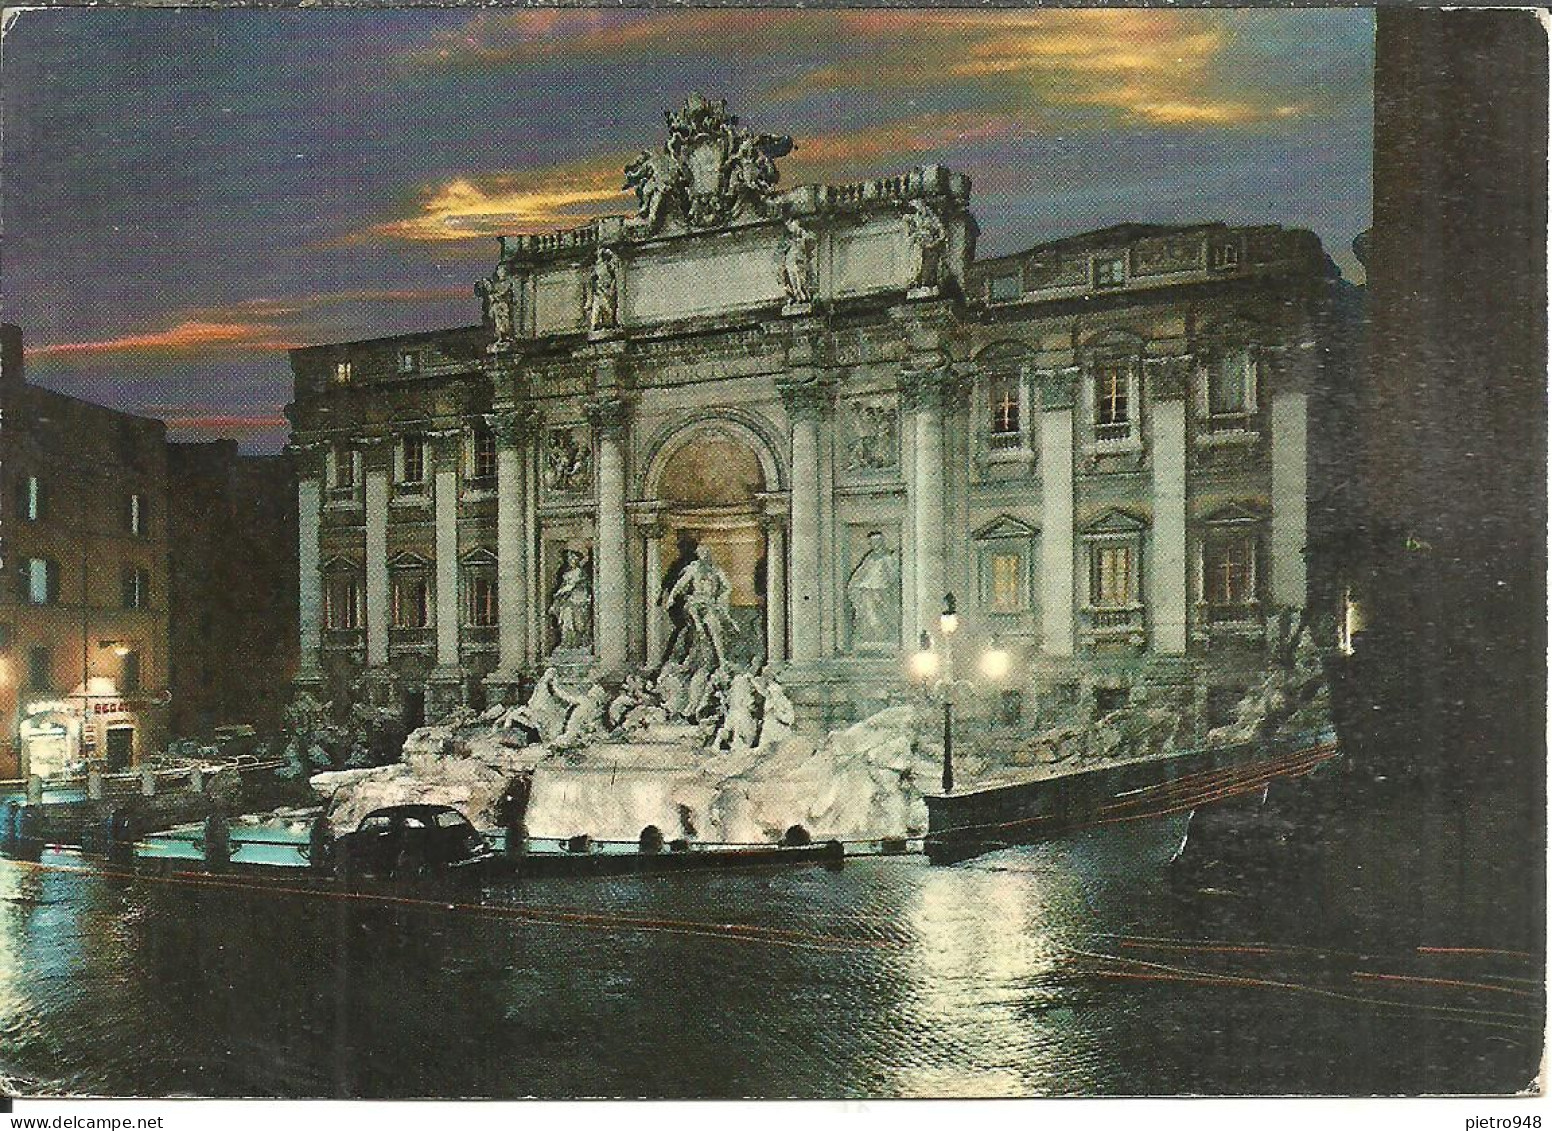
1454, 404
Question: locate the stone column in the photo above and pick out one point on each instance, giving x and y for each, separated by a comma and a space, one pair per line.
1056, 529
774, 522
928, 394
1290, 487
376, 505
514, 431
611, 640
445, 451
309, 500
1166, 574
806, 398
652, 582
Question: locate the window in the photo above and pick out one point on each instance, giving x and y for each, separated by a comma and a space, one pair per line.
412, 459
1229, 570
411, 598
1005, 288
1113, 400
1224, 257
1231, 388
1113, 575
409, 361
129, 673
342, 372
342, 600
343, 460
135, 514
1110, 272
136, 587
480, 591
40, 663
483, 463
42, 580
1007, 582
1005, 412
29, 498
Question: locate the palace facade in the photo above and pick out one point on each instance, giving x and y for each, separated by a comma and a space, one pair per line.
1101, 446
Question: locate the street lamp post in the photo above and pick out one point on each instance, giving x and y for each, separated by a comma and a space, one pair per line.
937, 675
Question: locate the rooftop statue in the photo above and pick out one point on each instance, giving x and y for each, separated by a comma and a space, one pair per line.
709, 170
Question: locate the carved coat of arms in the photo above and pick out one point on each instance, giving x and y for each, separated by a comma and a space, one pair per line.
709, 171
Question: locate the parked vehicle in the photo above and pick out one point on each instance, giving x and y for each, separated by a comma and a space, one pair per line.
409, 841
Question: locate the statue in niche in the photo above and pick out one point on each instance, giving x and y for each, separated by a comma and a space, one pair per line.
930, 238
571, 602
873, 594
797, 263
873, 443
601, 303
707, 594
499, 295
568, 463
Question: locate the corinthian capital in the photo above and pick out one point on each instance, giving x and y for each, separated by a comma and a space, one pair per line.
938, 387
513, 427
607, 414
807, 397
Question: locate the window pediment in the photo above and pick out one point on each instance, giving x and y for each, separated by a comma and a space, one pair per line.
479, 557
1115, 522
1236, 514
407, 559
1005, 526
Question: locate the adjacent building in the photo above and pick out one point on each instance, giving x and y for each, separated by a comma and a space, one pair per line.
84, 591
232, 526
1101, 446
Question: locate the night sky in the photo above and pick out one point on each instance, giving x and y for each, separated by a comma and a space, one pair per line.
187, 193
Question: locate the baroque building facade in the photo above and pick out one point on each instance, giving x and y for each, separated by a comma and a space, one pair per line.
1099, 445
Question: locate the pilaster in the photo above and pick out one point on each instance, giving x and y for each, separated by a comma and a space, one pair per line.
1057, 550
611, 639
807, 399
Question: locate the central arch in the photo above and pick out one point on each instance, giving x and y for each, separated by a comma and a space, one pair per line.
707, 482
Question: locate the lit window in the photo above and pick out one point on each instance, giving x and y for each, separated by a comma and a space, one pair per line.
1224, 257
137, 514
342, 372
1004, 410
1113, 400
1229, 570
1007, 583
1112, 577
1109, 272
136, 587
412, 459
29, 498
42, 581
411, 599
342, 600
409, 361
484, 454
480, 594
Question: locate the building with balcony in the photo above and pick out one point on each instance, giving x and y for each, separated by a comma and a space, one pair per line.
1101, 445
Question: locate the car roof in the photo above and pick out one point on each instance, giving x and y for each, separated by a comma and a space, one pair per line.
414, 811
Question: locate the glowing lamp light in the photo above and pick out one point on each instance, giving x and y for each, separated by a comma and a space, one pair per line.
995, 663
924, 664
949, 621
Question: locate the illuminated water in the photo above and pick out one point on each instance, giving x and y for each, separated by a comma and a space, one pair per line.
1052, 970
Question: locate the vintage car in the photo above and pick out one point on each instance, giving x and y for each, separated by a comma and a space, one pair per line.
412, 841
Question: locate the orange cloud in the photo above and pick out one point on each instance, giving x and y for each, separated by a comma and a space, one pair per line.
532, 200
189, 336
